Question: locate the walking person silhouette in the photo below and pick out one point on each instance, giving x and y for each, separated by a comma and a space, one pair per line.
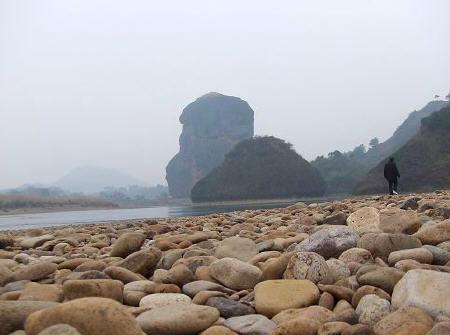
391, 174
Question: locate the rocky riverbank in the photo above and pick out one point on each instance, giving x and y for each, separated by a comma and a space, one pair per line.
377, 265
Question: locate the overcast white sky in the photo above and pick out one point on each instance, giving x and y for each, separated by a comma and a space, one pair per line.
103, 82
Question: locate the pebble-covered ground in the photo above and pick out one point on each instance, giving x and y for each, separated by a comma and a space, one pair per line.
378, 265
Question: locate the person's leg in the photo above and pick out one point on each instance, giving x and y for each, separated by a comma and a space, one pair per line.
391, 184
395, 185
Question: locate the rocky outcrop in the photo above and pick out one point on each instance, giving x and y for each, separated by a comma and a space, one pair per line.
260, 168
212, 125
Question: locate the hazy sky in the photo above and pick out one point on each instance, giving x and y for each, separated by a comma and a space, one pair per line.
104, 82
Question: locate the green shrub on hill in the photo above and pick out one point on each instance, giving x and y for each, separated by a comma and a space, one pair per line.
260, 168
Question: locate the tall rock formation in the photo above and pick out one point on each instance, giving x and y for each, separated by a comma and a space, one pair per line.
212, 125
424, 162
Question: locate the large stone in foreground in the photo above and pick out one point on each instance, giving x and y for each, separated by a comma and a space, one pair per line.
308, 265
317, 313
218, 330
127, 244
365, 220
274, 296
90, 316
192, 288
241, 248
298, 326
426, 289
399, 221
379, 276
330, 242
434, 233
104, 288
33, 272
6, 240
36, 241
440, 328
40, 292
60, 329
404, 321
157, 300
14, 313
142, 261
371, 309
229, 308
421, 255
178, 319
235, 274
381, 245
253, 324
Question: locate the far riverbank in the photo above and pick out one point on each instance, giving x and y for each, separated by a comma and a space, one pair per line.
75, 217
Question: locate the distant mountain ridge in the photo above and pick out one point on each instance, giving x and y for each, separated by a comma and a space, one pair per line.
93, 179
407, 130
424, 161
342, 171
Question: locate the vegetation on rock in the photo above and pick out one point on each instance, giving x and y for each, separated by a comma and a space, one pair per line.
343, 171
260, 168
423, 162
12, 202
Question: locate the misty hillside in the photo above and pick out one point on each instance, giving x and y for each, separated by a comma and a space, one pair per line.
134, 194
260, 168
93, 179
424, 162
407, 130
343, 170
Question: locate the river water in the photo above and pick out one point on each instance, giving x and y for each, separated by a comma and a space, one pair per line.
36, 220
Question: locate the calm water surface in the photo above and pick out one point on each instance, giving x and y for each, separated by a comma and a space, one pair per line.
26, 221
